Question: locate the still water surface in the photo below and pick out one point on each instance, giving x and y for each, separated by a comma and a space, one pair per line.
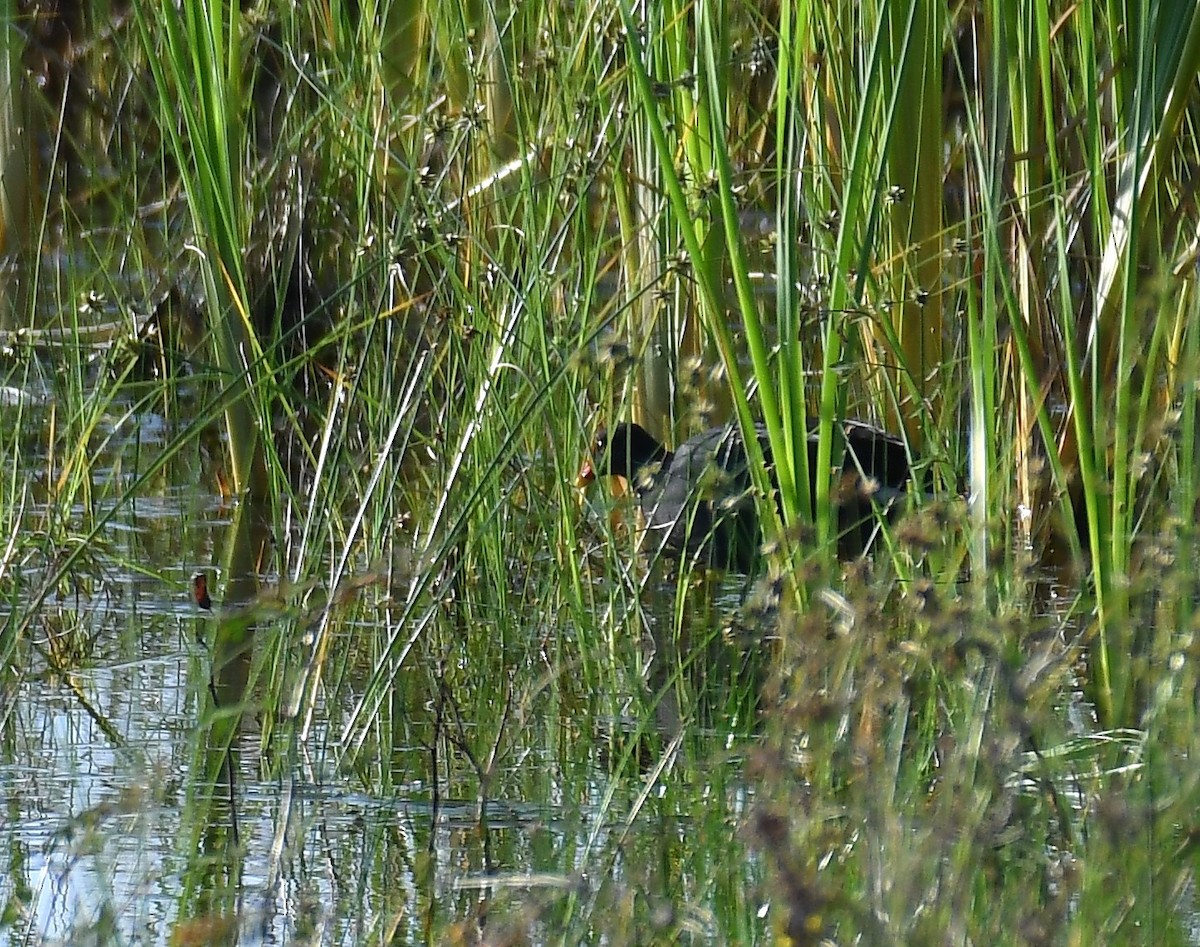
94, 782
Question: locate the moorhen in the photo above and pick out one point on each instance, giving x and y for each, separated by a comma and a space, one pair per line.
698, 500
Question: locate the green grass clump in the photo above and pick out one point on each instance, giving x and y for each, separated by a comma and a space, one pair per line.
380, 270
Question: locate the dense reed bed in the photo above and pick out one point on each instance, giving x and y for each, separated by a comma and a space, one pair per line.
380, 270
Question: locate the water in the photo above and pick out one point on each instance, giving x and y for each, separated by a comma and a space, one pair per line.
109, 841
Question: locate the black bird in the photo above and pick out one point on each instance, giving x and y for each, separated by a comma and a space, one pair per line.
698, 500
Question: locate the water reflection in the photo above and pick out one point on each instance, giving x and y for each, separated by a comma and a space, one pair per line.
98, 783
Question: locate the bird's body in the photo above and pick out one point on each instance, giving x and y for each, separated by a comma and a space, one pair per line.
698, 500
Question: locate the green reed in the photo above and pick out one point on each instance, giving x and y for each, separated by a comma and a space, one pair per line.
892, 751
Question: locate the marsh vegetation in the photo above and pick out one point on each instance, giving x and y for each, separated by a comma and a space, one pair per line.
327, 301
